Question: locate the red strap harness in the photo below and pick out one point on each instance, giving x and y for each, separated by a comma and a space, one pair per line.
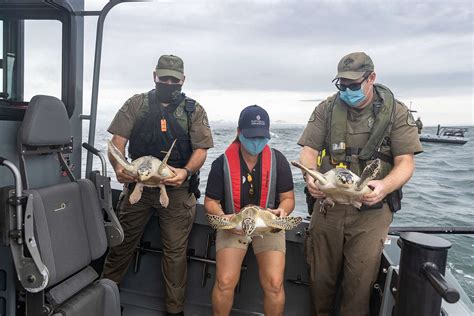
232, 155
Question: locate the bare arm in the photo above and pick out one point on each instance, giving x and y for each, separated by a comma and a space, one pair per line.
213, 207
287, 203
404, 166
195, 163
122, 177
308, 158
197, 159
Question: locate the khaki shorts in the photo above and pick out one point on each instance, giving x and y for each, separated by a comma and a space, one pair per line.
269, 241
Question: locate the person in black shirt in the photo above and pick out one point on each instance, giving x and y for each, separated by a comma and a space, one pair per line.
250, 172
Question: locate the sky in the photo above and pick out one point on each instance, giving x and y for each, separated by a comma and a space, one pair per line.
281, 55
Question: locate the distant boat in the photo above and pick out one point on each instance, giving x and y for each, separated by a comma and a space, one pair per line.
448, 135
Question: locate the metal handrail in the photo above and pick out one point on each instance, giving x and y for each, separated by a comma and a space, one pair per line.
95, 80
18, 195
455, 230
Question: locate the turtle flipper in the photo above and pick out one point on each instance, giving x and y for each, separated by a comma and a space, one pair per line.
164, 199
121, 159
136, 194
165, 160
313, 173
285, 222
370, 172
219, 222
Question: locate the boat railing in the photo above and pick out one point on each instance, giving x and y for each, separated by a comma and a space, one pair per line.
451, 131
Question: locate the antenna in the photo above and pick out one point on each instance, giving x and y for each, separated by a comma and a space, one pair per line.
412, 111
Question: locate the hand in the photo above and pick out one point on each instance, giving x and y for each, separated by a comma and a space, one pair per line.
279, 212
178, 179
123, 176
377, 195
313, 188
227, 216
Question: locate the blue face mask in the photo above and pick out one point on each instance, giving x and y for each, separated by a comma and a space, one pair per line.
254, 145
352, 98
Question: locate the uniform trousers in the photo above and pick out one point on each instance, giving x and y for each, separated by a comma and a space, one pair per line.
345, 244
175, 223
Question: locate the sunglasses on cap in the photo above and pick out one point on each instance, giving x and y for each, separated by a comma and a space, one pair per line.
353, 86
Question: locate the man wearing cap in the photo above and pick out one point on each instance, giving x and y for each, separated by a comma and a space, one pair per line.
361, 122
247, 170
151, 122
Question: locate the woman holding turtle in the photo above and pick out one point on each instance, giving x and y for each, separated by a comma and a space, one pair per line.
250, 172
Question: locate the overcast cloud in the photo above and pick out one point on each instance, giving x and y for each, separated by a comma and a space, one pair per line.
278, 53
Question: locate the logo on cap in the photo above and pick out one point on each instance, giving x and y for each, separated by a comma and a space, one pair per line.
258, 117
347, 63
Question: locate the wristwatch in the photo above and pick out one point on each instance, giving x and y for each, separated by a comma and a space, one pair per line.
189, 173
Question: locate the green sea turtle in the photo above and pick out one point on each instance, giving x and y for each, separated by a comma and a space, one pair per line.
149, 170
342, 185
254, 221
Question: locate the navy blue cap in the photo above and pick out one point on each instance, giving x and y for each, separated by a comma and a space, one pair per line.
254, 122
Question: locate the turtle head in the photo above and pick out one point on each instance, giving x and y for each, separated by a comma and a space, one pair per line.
344, 178
144, 172
248, 225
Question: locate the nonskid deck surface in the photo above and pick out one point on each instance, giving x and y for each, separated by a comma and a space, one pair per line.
142, 304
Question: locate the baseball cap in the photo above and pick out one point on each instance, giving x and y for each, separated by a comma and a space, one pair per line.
170, 65
254, 122
354, 65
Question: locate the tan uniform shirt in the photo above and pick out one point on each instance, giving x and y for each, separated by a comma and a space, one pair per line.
404, 136
136, 107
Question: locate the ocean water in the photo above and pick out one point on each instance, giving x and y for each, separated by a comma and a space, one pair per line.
440, 193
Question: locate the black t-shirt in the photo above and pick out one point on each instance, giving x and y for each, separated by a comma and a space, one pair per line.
215, 182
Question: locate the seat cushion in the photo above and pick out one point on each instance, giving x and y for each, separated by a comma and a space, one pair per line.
99, 299
69, 227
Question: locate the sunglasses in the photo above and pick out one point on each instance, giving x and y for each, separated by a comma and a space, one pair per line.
353, 86
167, 79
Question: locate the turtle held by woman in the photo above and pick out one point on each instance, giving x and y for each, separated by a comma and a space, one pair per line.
342, 185
149, 170
254, 221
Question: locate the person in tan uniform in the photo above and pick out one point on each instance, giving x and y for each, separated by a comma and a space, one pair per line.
361, 122
150, 122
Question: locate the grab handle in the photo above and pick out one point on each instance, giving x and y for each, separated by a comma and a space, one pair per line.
18, 195
439, 283
99, 154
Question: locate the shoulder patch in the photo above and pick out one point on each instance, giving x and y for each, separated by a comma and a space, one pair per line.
133, 103
205, 120
125, 107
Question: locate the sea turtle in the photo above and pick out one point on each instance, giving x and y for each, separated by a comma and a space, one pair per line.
342, 185
149, 170
254, 221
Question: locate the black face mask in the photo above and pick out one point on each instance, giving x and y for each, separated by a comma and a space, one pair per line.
166, 93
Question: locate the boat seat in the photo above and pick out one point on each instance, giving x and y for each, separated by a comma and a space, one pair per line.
68, 222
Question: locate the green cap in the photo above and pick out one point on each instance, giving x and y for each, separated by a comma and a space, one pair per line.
354, 66
170, 65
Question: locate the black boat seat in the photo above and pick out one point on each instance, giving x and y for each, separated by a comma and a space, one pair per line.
68, 220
